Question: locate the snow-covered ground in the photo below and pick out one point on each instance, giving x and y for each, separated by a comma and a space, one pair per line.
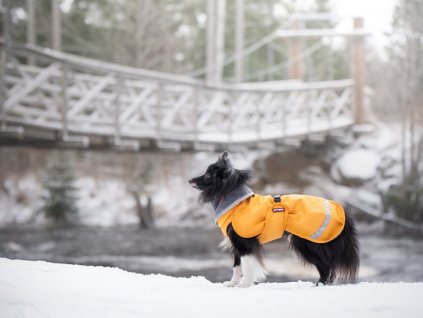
39, 289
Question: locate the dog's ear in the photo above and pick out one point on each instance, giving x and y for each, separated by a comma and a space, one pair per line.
224, 159
224, 156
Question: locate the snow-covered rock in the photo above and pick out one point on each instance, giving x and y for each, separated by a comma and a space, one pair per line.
40, 289
384, 138
19, 200
356, 166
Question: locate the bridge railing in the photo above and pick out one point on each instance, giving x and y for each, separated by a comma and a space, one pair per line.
76, 95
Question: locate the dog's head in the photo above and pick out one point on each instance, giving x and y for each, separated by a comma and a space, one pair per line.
220, 179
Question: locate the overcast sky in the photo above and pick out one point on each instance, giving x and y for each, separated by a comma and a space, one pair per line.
377, 16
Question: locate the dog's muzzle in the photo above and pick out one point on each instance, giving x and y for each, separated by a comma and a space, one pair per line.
193, 184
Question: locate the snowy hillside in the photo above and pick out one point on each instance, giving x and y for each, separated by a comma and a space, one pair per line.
40, 289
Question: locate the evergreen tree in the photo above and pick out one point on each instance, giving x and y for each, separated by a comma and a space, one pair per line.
59, 199
170, 35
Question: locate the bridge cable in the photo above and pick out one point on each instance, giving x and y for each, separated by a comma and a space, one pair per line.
247, 51
312, 49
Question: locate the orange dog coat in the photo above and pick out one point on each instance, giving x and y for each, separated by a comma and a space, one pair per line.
312, 218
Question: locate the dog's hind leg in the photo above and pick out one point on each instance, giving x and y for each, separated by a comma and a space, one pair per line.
338, 259
315, 254
324, 272
249, 251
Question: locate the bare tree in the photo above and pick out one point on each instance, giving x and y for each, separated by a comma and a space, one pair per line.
139, 183
407, 59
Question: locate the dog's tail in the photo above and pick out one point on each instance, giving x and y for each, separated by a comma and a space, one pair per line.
338, 258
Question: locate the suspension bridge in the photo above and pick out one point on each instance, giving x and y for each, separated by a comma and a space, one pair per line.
73, 99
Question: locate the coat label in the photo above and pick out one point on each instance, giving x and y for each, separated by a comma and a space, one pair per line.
278, 210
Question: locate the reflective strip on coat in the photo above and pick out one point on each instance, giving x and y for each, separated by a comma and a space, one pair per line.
313, 218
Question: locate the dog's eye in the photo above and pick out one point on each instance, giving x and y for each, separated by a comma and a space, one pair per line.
207, 176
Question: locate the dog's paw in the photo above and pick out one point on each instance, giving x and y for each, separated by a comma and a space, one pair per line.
236, 277
230, 284
245, 283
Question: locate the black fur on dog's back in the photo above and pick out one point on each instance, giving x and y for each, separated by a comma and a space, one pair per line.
338, 258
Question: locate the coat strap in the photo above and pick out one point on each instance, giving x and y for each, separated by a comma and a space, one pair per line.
276, 198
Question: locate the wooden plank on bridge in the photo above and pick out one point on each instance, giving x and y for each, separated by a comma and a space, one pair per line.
29, 86
93, 92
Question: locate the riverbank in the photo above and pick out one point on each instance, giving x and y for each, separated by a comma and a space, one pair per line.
186, 252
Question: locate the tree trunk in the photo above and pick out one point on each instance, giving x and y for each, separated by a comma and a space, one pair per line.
220, 40
145, 213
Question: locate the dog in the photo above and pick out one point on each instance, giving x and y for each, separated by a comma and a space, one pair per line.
319, 231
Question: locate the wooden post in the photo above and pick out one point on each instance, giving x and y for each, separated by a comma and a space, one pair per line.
359, 72
310, 97
232, 103
284, 113
220, 40
195, 101
56, 26
65, 130
296, 69
3, 94
239, 40
143, 10
210, 47
3, 61
30, 31
159, 111
270, 61
215, 40
330, 61
258, 107
118, 88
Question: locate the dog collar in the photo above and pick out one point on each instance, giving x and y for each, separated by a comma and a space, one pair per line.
232, 199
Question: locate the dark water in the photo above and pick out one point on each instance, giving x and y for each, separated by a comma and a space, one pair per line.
193, 252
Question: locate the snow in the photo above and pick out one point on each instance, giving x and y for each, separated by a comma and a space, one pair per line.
358, 164
40, 289
20, 200
383, 138
106, 204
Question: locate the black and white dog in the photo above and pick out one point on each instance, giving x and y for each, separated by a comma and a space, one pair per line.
338, 258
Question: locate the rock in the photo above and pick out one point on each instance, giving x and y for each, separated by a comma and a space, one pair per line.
355, 167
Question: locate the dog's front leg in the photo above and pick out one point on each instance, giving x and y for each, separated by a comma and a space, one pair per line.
249, 251
252, 271
237, 272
